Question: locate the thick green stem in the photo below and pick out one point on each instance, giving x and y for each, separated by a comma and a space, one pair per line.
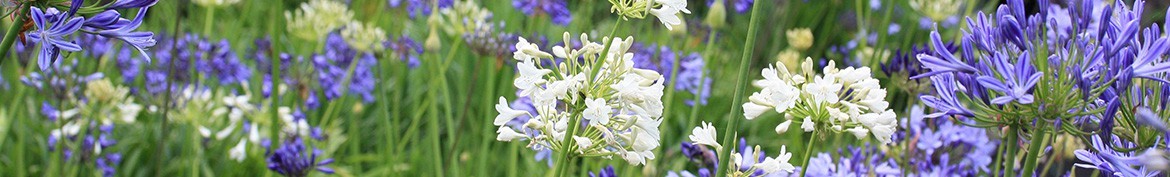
10, 35
808, 151
741, 82
1038, 136
1010, 158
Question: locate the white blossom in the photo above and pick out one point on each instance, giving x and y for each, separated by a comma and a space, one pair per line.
239, 152
705, 134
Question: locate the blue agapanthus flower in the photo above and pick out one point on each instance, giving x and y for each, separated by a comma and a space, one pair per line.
333, 65
941, 146
294, 159
406, 49
420, 7
110, 24
52, 26
558, 10
604, 172
1102, 156
853, 161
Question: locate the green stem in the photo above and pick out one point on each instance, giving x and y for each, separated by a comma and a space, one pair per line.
808, 151
999, 156
741, 82
1038, 136
691, 121
1010, 157
210, 15
10, 35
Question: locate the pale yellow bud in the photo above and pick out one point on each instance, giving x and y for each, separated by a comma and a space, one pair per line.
800, 38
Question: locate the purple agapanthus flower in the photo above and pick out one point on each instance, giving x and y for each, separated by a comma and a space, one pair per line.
406, 49
294, 159
944, 62
1102, 156
555, 9
222, 63
854, 161
604, 172
421, 7
113, 26
51, 28
333, 67
1019, 79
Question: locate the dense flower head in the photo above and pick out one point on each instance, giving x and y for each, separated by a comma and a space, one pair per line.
317, 18
340, 66
557, 10
363, 37
491, 41
621, 103
1006, 61
220, 61
937, 11
464, 18
842, 100
294, 159
941, 146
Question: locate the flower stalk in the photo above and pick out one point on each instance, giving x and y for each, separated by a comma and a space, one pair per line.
741, 82
10, 35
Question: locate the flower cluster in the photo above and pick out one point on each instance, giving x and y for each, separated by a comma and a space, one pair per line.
317, 18
847, 99
618, 106
940, 146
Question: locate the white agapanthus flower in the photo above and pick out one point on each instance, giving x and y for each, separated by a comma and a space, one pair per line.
239, 152
622, 104
317, 18
363, 37
840, 100
705, 135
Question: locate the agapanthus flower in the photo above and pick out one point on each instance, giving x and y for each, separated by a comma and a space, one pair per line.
904, 64
847, 98
363, 37
222, 62
317, 18
1101, 156
854, 161
334, 68
109, 24
51, 28
940, 146
746, 161
629, 128
604, 172
405, 49
557, 10
294, 159
421, 7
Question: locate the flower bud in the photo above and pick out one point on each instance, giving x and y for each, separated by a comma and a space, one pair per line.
432, 43
717, 15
